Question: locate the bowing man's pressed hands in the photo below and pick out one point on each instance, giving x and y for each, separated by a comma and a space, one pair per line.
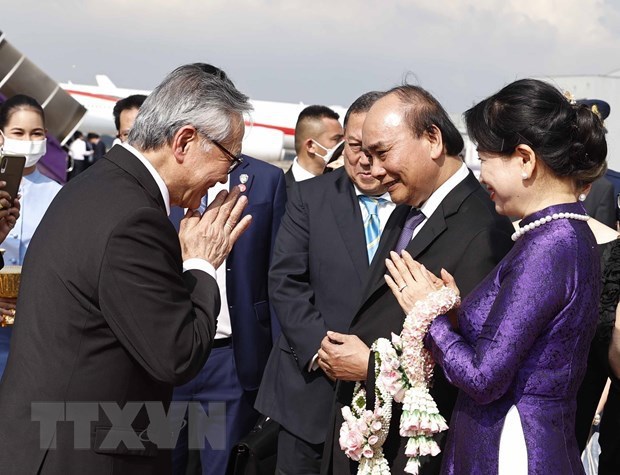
211, 236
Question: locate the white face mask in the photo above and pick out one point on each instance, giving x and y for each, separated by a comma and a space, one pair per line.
33, 150
329, 152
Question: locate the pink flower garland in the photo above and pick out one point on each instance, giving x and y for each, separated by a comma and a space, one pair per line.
403, 371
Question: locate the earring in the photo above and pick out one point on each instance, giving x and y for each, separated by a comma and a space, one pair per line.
524, 176
582, 197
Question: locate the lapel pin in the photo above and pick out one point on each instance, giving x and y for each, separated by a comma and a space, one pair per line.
243, 178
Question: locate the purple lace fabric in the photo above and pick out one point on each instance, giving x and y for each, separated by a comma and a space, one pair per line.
523, 340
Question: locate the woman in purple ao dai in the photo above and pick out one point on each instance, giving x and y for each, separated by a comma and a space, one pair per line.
518, 348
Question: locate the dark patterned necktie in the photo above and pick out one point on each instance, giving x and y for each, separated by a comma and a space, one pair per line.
414, 218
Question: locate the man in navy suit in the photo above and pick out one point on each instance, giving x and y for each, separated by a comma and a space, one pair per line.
245, 325
320, 262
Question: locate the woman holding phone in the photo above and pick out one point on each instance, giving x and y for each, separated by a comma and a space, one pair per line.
22, 132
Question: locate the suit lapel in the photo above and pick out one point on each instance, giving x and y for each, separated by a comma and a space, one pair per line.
243, 169
436, 223
433, 227
235, 179
127, 161
349, 221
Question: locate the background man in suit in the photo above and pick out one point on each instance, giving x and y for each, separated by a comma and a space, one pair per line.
97, 145
453, 224
123, 308
246, 324
125, 112
600, 201
319, 265
317, 134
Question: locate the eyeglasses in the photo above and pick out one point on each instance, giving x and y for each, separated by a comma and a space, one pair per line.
235, 160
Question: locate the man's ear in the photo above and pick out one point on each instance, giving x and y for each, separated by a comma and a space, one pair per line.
309, 146
435, 139
181, 141
527, 159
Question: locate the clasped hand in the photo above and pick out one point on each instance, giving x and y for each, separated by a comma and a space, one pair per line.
410, 281
343, 357
211, 236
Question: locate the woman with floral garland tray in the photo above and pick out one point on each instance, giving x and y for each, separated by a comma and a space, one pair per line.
518, 345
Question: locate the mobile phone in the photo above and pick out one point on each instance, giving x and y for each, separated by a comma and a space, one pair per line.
11, 170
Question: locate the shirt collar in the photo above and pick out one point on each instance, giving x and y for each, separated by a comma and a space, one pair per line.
433, 201
385, 196
299, 172
156, 176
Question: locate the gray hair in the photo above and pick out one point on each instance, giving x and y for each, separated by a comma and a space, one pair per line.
188, 96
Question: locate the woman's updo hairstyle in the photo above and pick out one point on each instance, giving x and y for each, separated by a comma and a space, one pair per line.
569, 138
15, 103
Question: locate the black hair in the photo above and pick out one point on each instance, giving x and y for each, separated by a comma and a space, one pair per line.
424, 113
568, 138
362, 104
214, 71
317, 112
92, 135
308, 115
19, 101
134, 101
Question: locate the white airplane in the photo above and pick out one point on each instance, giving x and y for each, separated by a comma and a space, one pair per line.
270, 131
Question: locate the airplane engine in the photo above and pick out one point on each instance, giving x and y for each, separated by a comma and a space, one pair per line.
263, 143
19, 75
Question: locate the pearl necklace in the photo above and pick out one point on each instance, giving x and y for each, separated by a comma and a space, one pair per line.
539, 222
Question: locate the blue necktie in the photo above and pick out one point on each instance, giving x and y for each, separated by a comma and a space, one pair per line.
414, 218
372, 225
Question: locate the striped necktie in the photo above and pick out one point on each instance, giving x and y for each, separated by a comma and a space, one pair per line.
372, 225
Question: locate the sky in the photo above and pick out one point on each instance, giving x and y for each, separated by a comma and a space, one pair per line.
318, 51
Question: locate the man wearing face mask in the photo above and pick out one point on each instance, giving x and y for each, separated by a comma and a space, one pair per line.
22, 132
317, 135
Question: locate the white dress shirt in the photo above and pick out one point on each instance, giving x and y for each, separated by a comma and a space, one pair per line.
299, 172
78, 150
224, 327
433, 201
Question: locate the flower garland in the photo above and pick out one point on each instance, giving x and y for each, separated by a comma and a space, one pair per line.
403, 371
